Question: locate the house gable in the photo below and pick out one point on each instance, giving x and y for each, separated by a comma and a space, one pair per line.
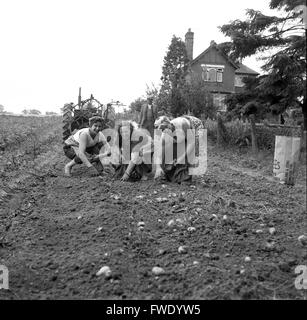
214, 47
214, 57
220, 74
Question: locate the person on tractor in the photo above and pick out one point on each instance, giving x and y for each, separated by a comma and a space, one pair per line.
88, 146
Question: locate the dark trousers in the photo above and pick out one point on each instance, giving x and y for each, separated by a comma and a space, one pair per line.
70, 152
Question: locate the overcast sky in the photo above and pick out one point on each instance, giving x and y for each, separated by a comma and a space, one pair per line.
112, 49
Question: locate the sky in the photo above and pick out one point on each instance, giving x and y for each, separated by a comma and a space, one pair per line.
112, 49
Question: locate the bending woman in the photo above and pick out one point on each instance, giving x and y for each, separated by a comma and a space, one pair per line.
85, 146
178, 168
134, 168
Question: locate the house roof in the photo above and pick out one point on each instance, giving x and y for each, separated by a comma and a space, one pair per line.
240, 67
215, 46
243, 69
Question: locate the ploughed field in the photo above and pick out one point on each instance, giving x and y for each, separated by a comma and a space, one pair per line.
231, 234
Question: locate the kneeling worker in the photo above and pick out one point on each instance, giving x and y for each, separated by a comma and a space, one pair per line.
85, 146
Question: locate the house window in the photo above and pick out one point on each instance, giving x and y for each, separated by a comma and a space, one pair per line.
239, 81
219, 101
212, 73
219, 75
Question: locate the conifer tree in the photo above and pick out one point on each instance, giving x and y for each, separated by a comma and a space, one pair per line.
175, 66
284, 35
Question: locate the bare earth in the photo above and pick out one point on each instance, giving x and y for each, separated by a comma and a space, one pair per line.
57, 232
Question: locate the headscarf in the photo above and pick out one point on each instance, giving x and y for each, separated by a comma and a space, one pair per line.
163, 123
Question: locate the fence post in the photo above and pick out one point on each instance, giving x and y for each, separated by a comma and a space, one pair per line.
218, 131
221, 131
303, 141
253, 134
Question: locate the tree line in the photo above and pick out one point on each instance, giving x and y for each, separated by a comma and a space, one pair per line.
29, 112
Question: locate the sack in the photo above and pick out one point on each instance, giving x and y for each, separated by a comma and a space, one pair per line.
286, 158
200, 167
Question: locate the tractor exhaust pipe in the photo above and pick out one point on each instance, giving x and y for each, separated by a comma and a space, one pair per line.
79, 98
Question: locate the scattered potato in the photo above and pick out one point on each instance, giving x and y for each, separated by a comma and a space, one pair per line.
191, 229
171, 223
157, 271
302, 240
105, 270
182, 249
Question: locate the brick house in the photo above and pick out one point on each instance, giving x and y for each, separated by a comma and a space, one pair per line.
220, 74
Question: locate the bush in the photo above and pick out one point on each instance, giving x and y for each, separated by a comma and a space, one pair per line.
266, 135
211, 126
239, 133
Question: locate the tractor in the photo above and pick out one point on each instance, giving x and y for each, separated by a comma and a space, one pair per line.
76, 116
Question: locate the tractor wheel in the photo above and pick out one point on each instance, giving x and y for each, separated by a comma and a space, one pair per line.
67, 120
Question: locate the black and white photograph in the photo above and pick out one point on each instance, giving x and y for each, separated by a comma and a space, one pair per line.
154, 152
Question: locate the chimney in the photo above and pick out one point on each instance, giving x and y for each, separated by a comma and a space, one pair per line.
212, 43
189, 38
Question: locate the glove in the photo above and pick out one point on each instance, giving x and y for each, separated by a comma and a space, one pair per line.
125, 177
93, 172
